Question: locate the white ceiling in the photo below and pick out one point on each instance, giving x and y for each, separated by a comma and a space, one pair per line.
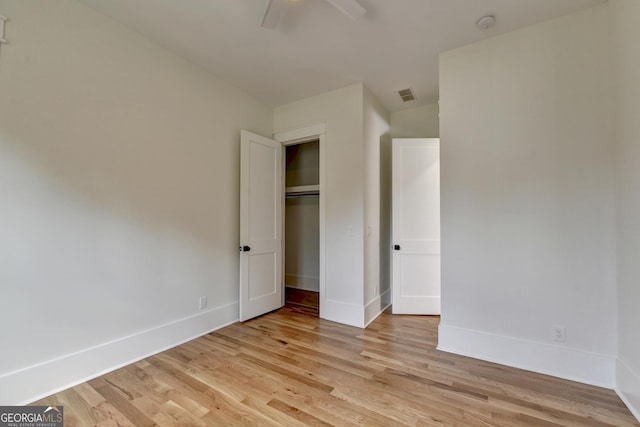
395, 45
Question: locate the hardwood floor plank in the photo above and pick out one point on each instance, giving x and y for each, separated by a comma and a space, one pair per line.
89, 394
281, 418
110, 415
291, 369
83, 411
296, 413
303, 299
170, 413
122, 401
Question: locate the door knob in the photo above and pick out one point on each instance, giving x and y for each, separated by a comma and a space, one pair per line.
246, 248
396, 247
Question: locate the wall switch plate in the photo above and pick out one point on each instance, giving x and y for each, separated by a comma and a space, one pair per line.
203, 303
559, 333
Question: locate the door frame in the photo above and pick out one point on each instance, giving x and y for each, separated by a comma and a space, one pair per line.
295, 137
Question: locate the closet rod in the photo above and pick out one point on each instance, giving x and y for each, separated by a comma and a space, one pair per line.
292, 195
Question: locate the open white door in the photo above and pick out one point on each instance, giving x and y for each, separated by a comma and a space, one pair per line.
261, 195
416, 226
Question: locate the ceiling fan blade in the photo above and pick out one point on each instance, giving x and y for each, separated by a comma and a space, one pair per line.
273, 13
351, 8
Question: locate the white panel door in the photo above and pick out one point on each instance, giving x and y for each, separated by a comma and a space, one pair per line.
416, 226
261, 199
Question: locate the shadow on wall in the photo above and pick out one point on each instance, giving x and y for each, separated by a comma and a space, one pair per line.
132, 167
385, 213
119, 181
120, 207
95, 254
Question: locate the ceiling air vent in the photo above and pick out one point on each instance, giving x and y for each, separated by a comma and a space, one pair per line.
406, 95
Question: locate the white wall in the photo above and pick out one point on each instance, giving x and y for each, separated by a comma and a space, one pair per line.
418, 122
341, 111
356, 127
119, 181
377, 294
625, 26
527, 199
302, 243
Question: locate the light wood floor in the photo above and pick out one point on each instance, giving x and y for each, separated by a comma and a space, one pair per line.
302, 301
291, 369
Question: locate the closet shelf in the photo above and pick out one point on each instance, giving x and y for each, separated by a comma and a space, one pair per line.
302, 190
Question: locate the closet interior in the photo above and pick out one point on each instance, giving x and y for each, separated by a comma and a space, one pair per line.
302, 226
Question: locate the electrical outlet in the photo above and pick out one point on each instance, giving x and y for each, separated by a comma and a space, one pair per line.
559, 333
203, 303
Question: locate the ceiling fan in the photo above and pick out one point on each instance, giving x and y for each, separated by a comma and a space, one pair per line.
275, 10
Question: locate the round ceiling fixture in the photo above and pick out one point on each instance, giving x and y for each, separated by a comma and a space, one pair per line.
486, 22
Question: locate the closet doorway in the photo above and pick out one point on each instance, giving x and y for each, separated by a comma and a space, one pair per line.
302, 227
263, 219
303, 220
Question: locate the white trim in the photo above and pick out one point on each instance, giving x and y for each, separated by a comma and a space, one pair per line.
342, 312
296, 136
35, 382
3, 20
563, 362
322, 285
628, 387
296, 281
375, 308
386, 298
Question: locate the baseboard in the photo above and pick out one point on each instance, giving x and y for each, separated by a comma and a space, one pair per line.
341, 312
35, 382
628, 387
302, 282
386, 298
376, 307
568, 363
